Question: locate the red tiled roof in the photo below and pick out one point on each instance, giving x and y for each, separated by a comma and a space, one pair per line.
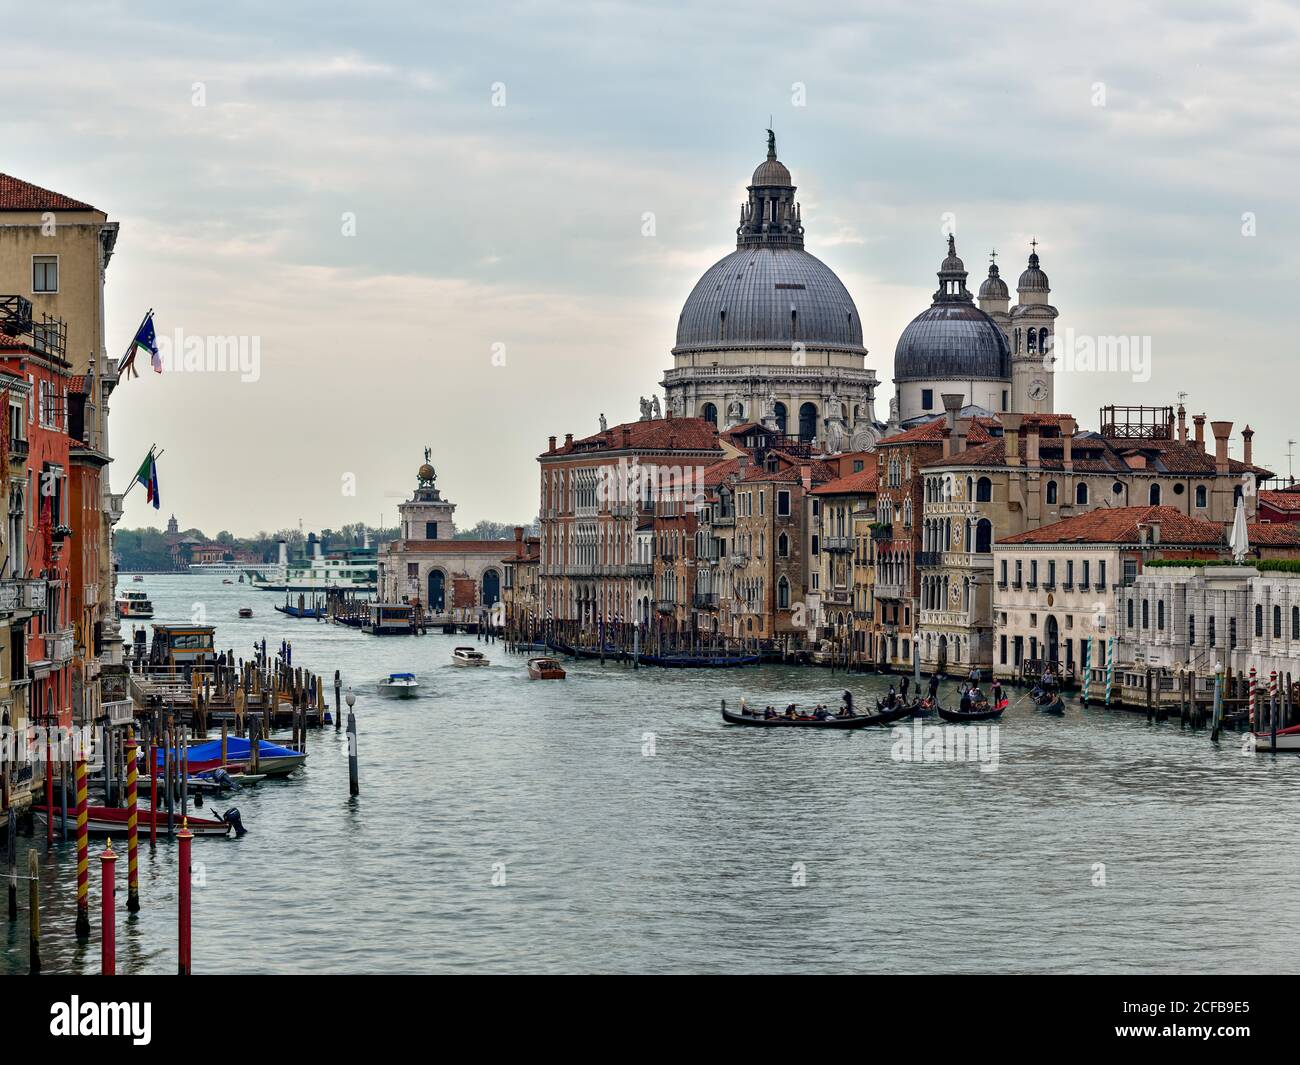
18, 195
657, 434
1119, 525
932, 431
449, 547
1273, 534
1284, 499
851, 484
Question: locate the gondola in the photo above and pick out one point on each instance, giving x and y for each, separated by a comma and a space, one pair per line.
688, 661
898, 713
731, 717
1053, 704
300, 611
988, 713
612, 654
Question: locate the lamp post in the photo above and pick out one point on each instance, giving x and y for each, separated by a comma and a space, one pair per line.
353, 788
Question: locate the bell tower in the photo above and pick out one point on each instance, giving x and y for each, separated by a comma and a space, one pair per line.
1033, 330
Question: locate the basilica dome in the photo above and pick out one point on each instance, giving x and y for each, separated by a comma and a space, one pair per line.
769, 292
952, 339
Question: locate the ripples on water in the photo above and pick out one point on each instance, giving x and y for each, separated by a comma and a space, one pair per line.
615, 861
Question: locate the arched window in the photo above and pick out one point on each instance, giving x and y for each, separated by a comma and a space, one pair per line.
1191, 630
1031, 338
1081, 493
1200, 496
1146, 614
983, 490
807, 422
1295, 623
1051, 493
783, 546
984, 536
1017, 341
1044, 344
710, 413
1130, 613
1259, 619
1160, 614
781, 415
1277, 622
1213, 634
783, 594
1153, 497
491, 587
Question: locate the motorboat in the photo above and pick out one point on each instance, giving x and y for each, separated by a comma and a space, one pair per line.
400, 686
545, 669
469, 656
132, 604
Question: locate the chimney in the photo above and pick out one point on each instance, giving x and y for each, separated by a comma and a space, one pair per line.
805, 475
1144, 532
550, 446
1031, 446
1221, 430
627, 437
1199, 421
1155, 534
946, 438
951, 405
959, 439
1067, 443
568, 440
1182, 424
519, 541
1011, 434
1247, 449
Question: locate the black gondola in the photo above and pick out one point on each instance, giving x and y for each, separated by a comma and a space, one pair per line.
701, 661
987, 713
897, 713
731, 717
1051, 704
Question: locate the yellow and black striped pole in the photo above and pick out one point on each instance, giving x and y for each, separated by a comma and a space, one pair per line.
83, 851
132, 830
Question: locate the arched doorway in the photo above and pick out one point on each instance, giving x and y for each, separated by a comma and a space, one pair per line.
437, 591
710, 413
1051, 640
943, 654
782, 417
491, 587
808, 422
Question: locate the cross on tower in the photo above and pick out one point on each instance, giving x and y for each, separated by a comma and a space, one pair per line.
1033, 243
993, 256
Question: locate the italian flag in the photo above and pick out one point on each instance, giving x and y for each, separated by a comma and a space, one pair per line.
147, 475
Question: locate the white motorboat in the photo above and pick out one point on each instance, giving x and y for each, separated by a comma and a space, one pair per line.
133, 604
469, 656
400, 686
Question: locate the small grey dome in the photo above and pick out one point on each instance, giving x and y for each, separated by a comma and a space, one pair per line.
954, 340
994, 288
771, 172
765, 296
1033, 279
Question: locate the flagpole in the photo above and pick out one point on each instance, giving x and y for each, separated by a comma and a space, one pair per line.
135, 480
128, 360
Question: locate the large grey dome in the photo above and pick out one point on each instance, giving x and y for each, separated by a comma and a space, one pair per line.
952, 341
769, 296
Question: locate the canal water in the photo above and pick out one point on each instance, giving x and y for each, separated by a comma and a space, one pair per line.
611, 822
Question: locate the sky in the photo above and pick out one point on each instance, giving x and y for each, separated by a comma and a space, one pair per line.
429, 222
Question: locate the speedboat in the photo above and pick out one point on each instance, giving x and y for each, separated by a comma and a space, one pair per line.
138, 579
400, 686
545, 669
469, 656
112, 820
245, 611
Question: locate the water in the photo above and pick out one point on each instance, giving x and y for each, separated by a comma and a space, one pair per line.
683, 860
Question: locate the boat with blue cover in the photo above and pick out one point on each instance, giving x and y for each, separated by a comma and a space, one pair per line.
272, 759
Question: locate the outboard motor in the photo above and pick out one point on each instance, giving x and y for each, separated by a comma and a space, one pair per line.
231, 817
222, 779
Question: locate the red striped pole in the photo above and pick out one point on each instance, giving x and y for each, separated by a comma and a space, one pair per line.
1251, 692
108, 948
83, 851
132, 826
183, 897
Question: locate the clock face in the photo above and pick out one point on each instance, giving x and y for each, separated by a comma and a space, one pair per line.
1037, 390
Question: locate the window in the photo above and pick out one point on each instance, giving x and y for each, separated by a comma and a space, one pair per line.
983, 490
1295, 623
1191, 630
1083, 569
816, 544
710, 413
1212, 637
1277, 622
1051, 493
1200, 496
783, 593
1101, 573
1002, 571
927, 399
783, 504
1130, 613
1259, 619
431, 530
45, 273
783, 546
1160, 614
1081, 494
1154, 495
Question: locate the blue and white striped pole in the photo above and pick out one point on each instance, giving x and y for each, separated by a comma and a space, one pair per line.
1110, 667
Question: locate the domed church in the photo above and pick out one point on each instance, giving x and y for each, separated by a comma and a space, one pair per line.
770, 334
991, 354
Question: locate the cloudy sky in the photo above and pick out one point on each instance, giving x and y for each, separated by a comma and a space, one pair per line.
423, 266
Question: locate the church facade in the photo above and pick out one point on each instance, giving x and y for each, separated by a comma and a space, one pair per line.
769, 333
429, 568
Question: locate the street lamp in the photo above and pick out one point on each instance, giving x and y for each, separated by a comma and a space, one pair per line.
353, 786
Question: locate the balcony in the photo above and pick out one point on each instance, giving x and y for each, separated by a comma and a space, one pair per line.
639, 569
22, 594
837, 544
1049, 586
58, 647
888, 591
719, 520
928, 559
705, 600
739, 561
119, 711
665, 606
882, 532
18, 450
